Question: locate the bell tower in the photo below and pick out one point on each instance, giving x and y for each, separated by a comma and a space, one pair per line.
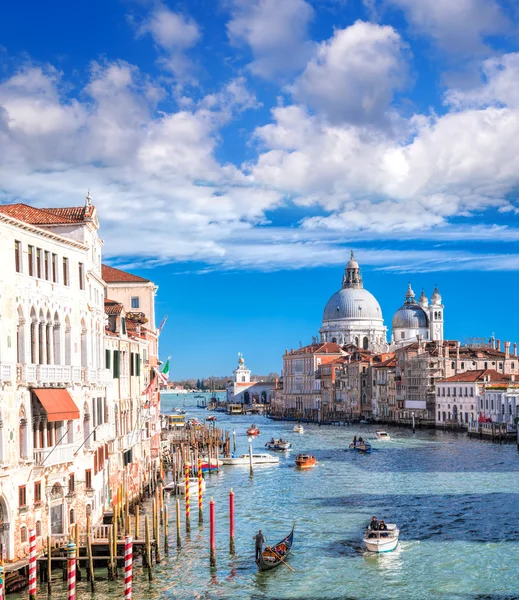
436, 316
241, 374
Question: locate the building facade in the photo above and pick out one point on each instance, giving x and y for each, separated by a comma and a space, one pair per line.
244, 391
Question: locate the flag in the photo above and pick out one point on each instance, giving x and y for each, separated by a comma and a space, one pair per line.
162, 323
164, 374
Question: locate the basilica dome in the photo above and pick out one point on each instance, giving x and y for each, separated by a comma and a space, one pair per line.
352, 303
410, 316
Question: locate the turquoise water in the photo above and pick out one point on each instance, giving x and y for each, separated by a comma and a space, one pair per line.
455, 501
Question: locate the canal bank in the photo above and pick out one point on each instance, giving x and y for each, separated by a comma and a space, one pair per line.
454, 499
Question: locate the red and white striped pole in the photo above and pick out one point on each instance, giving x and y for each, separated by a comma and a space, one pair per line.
231, 521
71, 570
212, 536
128, 559
1, 580
32, 564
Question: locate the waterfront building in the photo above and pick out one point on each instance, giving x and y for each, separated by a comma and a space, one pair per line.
499, 402
71, 378
383, 371
244, 391
301, 384
462, 397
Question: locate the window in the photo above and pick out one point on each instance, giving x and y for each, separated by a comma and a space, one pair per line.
37, 492
443, 391
18, 256
471, 392
30, 258
65, 271
55, 268
438, 415
71, 483
108, 356
46, 264
38, 528
72, 516
117, 364
123, 326
135, 301
81, 276
402, 335
132, 364
38, 262
22, 496
453, 365
138, 365
23, 534
462, 365
88, 478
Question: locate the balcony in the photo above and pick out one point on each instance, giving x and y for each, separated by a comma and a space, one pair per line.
7, 373
58, 455
53, 374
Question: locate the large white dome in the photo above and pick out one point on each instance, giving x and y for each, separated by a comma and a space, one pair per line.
352, 303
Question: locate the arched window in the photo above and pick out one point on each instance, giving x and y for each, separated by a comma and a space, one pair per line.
72, 517
365, 343
22, 434
462, 365
38, 528
23, 534
68, 342
453, 365
34, 337
86, 425
41, 339
56, 339
485, 366
20, 337
84, 357
357, 342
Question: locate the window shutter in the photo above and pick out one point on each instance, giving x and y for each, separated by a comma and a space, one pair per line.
132, 363
108, 356
117, 365
138, 365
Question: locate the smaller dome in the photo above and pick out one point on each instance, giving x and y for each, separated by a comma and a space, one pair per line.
410, 316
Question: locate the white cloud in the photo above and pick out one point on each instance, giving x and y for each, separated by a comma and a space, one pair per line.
354, 75
276, 32
174, 34
458, 26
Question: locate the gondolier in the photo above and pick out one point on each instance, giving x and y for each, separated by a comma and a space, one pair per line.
260, 540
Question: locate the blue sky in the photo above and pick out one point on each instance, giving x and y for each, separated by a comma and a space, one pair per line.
237, 149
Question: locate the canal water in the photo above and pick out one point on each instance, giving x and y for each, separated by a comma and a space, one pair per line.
456, 502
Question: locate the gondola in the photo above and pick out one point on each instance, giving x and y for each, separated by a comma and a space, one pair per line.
268, 560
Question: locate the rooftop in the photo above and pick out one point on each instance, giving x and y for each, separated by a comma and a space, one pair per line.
322, 348
47, 216
477, 375
113, 275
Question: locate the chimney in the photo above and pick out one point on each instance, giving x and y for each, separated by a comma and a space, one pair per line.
498, 345
440, 348
515, 348
457, 350
507, 350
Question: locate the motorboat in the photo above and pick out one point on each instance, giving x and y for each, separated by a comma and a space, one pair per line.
364, 422
382, 435
305, 461
215, 464
211, 418
257, 459
299, 428
253, 430
193, 486
382, 541
360, 446
280, 445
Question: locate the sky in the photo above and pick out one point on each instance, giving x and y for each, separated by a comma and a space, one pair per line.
236, 150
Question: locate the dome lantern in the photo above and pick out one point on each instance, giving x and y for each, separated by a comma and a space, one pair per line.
352, 275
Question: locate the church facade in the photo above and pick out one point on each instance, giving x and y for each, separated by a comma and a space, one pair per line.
353, 317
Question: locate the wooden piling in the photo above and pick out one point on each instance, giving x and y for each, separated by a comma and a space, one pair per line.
165, 521
231, 522
111, 563
156, 534
148, 546
49, 565
179, 538
90, 569
137, 522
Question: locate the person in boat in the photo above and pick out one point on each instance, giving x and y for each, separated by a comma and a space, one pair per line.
355, 440
260, 540
272, 441
361, 441
374, 524
382, 526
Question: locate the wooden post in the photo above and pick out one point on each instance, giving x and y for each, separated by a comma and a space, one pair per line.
234, 440
90, 569
153, 517
165, 521
179, 539
49, 565
137, 522
148, 546
127, 516
156, 534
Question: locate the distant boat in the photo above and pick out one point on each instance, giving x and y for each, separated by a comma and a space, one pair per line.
299, 428
253, 430
361, 446
198, 396
305, 461
382, 541
257, 459
382, 435
282, 445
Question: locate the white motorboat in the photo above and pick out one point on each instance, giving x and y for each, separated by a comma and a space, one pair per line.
280, 444
257, 459
382, 541
193, 486
299, 428
382, 435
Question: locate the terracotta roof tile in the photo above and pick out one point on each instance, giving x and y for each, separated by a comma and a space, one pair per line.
112, 307
476, 375
322, 348
46, 216
113, 275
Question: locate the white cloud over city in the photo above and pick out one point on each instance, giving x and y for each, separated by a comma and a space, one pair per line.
340, 142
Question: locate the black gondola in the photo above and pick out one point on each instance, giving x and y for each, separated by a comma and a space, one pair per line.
268, 559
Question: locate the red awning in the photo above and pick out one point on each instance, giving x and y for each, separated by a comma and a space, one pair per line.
58, 403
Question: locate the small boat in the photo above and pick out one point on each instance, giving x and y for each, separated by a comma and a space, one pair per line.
299, 428
271, 556
193, 486
364, 422
305, 461
280, 445
198, 396
257, 459
361, 446
253, 430
211, 418
382, 541
382, 435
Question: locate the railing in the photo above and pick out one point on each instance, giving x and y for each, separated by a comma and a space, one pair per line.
57, 455
91, 375
76, 374
53, 374
7, 373
26, 373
